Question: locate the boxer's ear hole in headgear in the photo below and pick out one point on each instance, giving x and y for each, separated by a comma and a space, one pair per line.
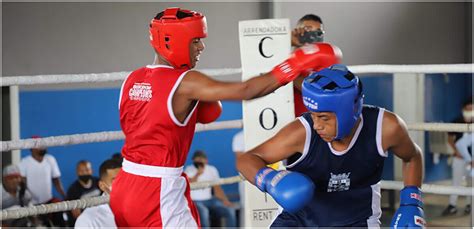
179, 15
331, 86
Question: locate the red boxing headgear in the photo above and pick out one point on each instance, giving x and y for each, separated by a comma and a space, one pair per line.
171, 36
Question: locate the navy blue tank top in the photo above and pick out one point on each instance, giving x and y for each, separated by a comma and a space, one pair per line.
347, 182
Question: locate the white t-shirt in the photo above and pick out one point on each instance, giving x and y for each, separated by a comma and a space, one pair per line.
238, 142
96, 217
238, 146
210, 173
39, 177
462, 146
9, 201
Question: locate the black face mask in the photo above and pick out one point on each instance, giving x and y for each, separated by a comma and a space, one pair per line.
198, 164
85, 178
310, 37
42, 152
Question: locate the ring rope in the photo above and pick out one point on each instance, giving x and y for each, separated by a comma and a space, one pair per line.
441, 127
422, 68
54, 207
120, 76
232, 124
221, 181
430, 188
92, 77
94, 201
105, 136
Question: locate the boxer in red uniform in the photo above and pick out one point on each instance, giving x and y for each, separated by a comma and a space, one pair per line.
160, 105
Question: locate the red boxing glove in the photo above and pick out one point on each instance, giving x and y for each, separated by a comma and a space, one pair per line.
307, 58
208, 112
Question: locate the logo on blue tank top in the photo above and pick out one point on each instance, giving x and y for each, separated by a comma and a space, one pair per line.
339, 182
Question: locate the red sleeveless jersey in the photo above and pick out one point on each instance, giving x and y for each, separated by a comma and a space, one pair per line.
153, 135
300, 108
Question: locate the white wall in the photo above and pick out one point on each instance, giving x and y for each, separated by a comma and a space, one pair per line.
392, 32
55, 38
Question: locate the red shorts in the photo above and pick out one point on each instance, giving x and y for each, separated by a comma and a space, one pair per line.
160, 197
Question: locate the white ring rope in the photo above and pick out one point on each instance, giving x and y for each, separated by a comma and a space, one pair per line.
92, 77
105, 136
54, 207
423, 68
119, 76
441, 127
232, 124
430, 188
222, 181
66, 78
94, 201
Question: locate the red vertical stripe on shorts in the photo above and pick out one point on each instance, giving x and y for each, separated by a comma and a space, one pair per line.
191, 205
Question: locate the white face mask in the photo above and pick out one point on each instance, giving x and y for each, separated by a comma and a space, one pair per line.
468, 115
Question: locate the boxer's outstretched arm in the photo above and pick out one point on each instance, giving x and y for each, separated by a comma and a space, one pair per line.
197, 86
289, 140
396, 139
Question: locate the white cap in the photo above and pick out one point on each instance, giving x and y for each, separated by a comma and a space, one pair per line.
11, 170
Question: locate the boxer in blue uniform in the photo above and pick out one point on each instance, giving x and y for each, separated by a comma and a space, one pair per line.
334, 158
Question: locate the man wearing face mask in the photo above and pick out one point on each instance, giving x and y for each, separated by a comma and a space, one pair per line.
461, 144
308, 30
85, 186
206, 203
101, 216
40, 171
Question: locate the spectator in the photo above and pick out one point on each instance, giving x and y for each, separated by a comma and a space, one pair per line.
238, 148
14, 195
459, 159
85, 186
101, 216
308, 30
40, 171
207, 205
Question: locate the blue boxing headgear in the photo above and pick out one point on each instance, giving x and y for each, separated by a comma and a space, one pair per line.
335, 89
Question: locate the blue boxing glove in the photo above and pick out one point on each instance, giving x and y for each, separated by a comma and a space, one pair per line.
410, 214
291, 190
